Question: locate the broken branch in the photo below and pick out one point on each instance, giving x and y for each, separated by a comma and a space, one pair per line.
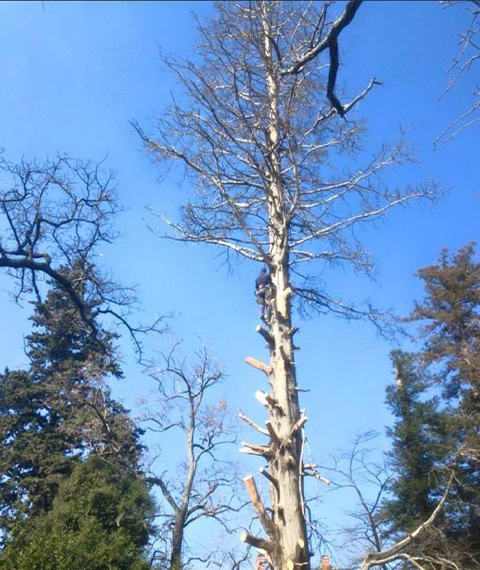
264, 450
256, 541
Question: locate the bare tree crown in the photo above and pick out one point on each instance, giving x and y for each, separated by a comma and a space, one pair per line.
53, 217
222, 137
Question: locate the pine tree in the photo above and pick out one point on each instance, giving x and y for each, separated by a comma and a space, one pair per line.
419, 442
100, 520
59, 411
450, 312
433, 436
451, 309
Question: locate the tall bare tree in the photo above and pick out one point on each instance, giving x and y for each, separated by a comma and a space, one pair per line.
263, 137
202, 485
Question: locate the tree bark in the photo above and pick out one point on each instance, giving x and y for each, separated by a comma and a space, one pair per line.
285, 466
177, 541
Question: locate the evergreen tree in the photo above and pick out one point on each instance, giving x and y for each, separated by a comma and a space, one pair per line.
33, 458
434, 436
451, 313
100, 520
451, 309
60, 410
418, 444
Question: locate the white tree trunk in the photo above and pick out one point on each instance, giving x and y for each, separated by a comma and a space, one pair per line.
289, 536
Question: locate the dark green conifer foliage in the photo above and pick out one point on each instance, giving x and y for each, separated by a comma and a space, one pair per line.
419, 444
451, 313
99, 520
33, 459
59, 411
433, 436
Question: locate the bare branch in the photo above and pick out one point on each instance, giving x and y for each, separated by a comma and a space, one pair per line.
397, 551
53, 217
330, 41
201, 486
467, 58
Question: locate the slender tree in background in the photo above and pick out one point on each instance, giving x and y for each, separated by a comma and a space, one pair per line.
60, 409
276, 172
355, 472
202, 485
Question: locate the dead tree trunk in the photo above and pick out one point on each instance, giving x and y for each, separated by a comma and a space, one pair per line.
287, 543
286, 526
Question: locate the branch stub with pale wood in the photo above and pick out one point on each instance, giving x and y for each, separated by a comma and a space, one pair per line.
266, 335
259, 507
259, 365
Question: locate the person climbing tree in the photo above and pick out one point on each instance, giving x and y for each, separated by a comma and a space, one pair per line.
262, 285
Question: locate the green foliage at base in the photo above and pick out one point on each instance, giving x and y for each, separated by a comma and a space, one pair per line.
99, 521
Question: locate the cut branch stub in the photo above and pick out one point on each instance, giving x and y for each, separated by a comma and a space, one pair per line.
259, 365
261, 397
249, 451
259, 507
256, 541
266, 335
268, 401
256, 449
273, 480
299, 424
252, 424
272, 433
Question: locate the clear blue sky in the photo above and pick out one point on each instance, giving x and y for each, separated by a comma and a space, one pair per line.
72, 76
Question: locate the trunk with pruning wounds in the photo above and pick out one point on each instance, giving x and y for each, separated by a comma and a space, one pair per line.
285, 426
288, 543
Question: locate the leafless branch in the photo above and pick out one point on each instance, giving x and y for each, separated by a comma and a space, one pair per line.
54, 215
467, 58
201, 487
